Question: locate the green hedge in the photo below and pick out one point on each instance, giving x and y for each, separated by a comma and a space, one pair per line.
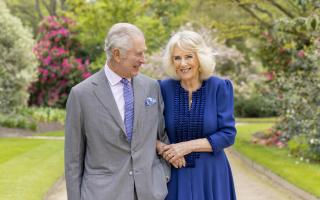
28, 118
254, 106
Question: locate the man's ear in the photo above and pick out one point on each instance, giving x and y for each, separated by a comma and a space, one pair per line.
116, 54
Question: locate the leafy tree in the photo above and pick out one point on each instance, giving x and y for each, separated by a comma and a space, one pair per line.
289, 49
17, 62
283, 36
31, 12
156, 18
59, 68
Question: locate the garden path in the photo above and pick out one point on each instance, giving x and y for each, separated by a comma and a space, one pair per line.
251, 185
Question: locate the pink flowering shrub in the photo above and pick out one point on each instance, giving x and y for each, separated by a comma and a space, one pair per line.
59, 68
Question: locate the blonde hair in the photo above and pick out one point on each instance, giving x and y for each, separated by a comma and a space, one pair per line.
189, 41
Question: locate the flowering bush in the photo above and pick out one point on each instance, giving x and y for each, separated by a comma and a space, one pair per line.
17, 62
269, 137
59, 68
292, 54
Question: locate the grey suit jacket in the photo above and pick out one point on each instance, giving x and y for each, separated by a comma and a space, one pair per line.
100, 164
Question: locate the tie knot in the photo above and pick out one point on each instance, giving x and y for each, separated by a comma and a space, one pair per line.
124, 81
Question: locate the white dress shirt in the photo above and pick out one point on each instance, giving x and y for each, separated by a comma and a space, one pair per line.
116, 88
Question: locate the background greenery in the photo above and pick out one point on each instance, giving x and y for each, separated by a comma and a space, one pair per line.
269, 49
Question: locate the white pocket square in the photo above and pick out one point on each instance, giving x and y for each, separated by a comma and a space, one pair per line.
150, 101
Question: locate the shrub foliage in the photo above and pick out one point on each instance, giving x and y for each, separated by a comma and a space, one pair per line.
17, 62
292, 54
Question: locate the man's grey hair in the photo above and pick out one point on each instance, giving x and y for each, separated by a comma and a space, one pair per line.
120, 36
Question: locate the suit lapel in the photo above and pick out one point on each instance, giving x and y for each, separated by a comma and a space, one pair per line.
104, 94
139, 98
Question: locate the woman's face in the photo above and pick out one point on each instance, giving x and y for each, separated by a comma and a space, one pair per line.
186, 64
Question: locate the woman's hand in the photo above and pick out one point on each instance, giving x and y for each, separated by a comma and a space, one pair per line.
179, 163
175, 152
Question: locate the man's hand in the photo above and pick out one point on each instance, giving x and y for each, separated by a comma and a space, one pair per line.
160, 147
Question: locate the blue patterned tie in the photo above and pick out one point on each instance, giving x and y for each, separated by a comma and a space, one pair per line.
128, 107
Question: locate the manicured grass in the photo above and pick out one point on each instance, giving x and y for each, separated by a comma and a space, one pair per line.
52, 133
257, 120
29, 167
302, 174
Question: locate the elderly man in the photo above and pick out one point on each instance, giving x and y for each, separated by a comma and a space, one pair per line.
114, 119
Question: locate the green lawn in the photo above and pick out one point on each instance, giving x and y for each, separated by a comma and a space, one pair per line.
302, 174
29, 167
257, 120
52, 133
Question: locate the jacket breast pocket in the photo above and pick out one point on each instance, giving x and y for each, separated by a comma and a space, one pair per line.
151, 111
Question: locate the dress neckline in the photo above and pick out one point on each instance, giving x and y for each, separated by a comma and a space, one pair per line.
193, 92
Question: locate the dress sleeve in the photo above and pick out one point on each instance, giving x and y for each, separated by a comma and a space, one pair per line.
226, 132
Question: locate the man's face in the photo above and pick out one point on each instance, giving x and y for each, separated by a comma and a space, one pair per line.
132, 60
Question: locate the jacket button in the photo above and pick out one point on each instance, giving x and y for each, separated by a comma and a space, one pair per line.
130, 173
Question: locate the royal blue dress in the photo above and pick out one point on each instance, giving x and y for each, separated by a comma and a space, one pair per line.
207, 175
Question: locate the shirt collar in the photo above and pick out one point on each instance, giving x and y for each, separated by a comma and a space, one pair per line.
113, 77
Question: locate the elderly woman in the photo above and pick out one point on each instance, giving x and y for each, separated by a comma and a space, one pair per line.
199, 121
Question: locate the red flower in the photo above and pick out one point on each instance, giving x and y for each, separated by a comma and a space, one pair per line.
269, 76
86, 75
300, 54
